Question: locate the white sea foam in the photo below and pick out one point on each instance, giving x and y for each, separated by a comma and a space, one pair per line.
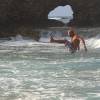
42, 39
44, 71
89, 60
94, 42
28, 96
9, 83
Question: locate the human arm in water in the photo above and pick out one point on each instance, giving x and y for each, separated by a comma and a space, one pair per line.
52, 40
83, 41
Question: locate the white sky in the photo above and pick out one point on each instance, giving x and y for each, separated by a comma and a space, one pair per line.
61, 11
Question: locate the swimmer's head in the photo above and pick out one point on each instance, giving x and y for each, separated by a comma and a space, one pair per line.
71, 33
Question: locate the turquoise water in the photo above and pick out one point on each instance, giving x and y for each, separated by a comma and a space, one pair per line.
47, 71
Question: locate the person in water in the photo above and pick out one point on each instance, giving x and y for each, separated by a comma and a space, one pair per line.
74, 44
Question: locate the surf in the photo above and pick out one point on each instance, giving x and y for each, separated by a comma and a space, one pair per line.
41, 70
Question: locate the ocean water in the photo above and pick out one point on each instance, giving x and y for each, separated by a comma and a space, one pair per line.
32, 70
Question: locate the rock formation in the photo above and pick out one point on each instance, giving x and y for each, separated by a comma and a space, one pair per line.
35, 12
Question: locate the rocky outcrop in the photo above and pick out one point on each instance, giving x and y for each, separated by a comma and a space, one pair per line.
35, 12
86, 12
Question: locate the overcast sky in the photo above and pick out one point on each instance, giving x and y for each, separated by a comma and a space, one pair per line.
61, 11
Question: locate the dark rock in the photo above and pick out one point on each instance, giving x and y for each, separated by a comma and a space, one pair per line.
34, 13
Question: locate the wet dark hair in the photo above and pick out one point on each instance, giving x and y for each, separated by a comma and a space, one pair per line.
71, 33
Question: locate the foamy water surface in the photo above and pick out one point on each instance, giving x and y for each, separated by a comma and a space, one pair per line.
32, 70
